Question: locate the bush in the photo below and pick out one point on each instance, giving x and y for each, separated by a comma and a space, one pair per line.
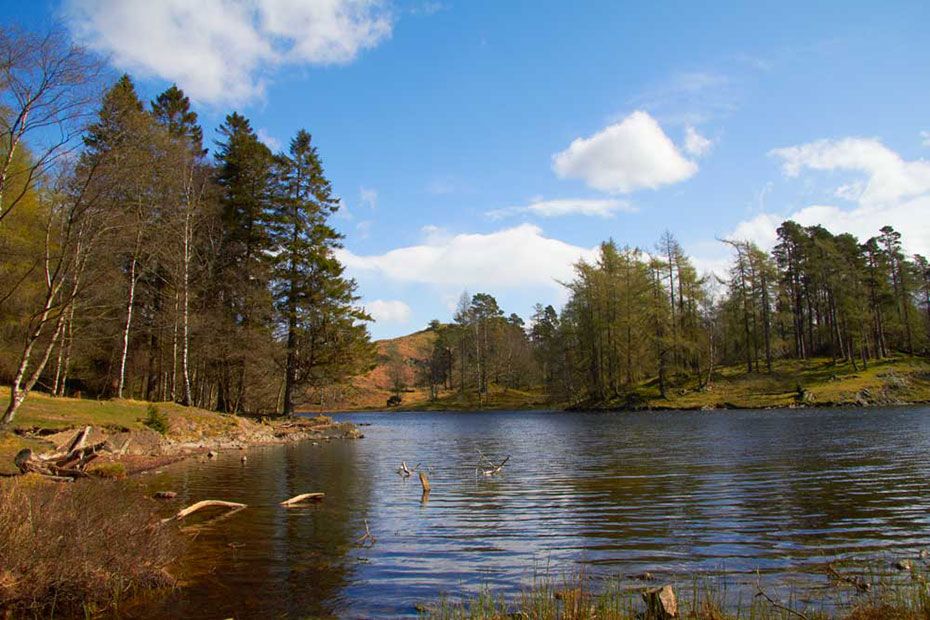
78, 548
155, 420
115, 471
394, 400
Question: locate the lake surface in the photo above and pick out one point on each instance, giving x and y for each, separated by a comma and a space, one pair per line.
677, 494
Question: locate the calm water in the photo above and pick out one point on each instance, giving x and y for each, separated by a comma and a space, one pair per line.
676, 494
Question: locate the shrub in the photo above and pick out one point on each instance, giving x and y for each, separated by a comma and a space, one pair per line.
115, 471
76, 549
155, 420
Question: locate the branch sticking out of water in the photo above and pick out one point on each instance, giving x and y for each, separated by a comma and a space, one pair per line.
367, 536
776, 604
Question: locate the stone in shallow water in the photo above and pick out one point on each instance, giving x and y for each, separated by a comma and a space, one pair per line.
903, 565
662, 602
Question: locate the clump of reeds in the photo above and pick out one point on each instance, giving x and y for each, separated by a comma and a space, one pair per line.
78, 548
892, 596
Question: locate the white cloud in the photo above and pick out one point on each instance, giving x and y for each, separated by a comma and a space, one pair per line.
911, 218
218, 50
388, 311
368, 196
894, 192
890, 178
364, 229
695, 143
925, 138
270, 141
513, 257
626, 156
760, 229
850, 191
605, 208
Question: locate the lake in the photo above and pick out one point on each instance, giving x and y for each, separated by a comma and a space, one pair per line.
678, 494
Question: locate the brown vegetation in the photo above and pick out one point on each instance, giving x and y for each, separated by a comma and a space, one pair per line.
79, 547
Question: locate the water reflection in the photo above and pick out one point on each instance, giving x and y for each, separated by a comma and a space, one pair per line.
782, 492
267, 560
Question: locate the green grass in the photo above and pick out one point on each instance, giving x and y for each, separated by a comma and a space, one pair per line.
900, 379
41, 411
503, 399
44, 411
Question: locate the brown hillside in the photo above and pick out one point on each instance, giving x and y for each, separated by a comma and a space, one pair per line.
371, 390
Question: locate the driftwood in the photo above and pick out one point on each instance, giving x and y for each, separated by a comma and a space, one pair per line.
497, 468
425, 482
68, 463
78, 442
494, 469
303, 497
233, 506
366, 536
405, 471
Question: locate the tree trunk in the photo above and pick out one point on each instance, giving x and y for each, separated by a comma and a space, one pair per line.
129, 304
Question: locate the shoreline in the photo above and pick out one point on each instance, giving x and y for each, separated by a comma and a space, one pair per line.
131, 452
656, 408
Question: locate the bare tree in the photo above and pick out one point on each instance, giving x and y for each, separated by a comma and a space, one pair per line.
74, 224
47, 86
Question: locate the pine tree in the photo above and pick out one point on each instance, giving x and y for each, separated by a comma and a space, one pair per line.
325, 336
241, 274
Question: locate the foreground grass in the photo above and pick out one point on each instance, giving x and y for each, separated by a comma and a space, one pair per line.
574, 598
80, 548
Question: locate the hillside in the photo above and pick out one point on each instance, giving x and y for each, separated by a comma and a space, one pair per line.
398, 357
395, 356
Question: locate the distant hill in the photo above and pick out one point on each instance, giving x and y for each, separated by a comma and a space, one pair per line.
395, 356
398, 357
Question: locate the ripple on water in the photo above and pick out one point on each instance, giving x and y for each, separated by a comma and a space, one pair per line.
780, 492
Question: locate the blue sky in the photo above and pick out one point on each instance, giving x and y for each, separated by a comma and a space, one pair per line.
487, 145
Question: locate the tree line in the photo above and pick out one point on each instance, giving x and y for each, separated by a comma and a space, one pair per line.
634, 315
136, 264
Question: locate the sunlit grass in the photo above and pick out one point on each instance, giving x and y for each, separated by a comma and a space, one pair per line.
899, 379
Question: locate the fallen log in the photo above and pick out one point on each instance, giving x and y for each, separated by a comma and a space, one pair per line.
184, 512
79, 457
303, 497
78, 441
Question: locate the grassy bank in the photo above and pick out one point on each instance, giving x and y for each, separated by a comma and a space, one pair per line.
811, 383
44, 423
78, 549
41, 415
885, 596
